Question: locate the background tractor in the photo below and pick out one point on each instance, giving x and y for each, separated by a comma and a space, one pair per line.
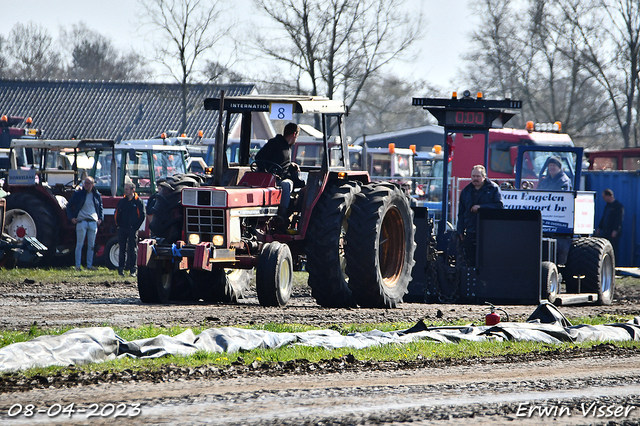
45, 173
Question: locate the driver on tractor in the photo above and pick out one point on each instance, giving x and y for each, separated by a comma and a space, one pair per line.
556, 179
275, 158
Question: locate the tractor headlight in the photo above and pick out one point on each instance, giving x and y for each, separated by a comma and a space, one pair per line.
194, 239
218, 240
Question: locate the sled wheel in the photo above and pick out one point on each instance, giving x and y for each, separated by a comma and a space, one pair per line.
550, 283
594, 258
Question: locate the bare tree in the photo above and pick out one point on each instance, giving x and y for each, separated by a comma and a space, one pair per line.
31, 53
93, 57
533, 56
385, 106
609, 37
3, 57
221, 74
332, 47
493, 60
186, 30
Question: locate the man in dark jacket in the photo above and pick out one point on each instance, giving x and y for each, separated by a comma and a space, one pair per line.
610, 226
481, 193
129, 216
277, 152
85, 211
556, 179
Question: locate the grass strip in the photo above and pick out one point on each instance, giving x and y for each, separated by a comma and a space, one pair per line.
419, 350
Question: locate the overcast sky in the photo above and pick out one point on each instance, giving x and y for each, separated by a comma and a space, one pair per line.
448, 23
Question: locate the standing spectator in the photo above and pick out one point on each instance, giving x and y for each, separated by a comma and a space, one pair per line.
610, 226
481, 193
129, 216
85, 211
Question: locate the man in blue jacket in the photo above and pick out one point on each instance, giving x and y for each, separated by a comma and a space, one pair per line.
556, 179
129, 216
481, 193
85, 211
610, 226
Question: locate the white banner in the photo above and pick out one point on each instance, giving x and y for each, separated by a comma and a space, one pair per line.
556, 207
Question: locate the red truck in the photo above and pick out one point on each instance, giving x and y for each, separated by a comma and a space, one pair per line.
614, 159
468, 149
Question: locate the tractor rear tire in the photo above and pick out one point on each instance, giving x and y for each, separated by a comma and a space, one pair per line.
380, 246
325, 246
550, 281
221, 285
154, 283
27, 215
112, 253
167, 210
594, 258
274, 275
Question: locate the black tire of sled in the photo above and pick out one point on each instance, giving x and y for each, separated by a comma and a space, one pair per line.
594, 258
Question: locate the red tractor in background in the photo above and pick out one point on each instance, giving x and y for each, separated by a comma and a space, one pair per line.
355, 237
45, 173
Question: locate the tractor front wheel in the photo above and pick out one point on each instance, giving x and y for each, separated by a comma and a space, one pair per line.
112, 253
221, 285
274, 275
154, 283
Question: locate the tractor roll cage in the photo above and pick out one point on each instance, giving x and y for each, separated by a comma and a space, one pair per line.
246, 105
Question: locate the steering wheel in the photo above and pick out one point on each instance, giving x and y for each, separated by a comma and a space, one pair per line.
268, 166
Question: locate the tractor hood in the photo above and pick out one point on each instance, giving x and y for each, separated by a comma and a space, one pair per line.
230, 197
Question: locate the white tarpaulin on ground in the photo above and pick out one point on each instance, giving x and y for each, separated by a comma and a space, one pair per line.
97, 344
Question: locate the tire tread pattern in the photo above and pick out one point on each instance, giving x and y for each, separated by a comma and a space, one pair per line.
586, 257
322, 246
362, 251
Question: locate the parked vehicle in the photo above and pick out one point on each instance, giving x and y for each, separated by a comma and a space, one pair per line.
614, 159
527, 251
39, 190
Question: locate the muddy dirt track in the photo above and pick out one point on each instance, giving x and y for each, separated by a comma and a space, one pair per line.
595, 386
117, 304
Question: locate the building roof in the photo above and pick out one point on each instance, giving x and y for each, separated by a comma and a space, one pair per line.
424, 138
117, 110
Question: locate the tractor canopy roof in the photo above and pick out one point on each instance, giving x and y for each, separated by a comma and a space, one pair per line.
61, 144
301, 104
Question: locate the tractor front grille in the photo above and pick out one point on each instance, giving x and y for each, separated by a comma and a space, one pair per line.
205, 222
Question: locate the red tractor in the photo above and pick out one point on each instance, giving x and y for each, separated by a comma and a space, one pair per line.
45, 173
354, 237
